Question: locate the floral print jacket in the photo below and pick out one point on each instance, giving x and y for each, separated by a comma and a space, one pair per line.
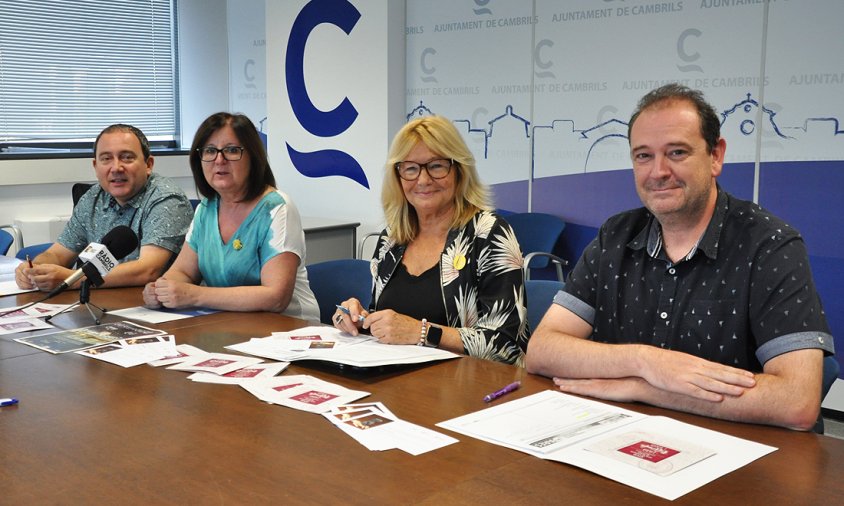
482, 286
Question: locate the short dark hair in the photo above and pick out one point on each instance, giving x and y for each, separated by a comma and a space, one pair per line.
710, 125
120, 127
260, 174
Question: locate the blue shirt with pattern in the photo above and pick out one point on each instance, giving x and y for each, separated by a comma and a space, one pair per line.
159, 214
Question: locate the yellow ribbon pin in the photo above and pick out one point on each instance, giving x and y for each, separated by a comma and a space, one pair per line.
237, 245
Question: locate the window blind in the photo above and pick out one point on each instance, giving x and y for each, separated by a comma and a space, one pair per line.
69, 68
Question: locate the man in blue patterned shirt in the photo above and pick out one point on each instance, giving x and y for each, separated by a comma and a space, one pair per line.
698, 301
128, 194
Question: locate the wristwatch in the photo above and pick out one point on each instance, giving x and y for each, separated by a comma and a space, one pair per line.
432, 338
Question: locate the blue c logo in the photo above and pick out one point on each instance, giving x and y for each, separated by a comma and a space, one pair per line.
345, 16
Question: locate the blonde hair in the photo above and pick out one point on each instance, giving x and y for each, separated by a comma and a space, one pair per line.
440, 136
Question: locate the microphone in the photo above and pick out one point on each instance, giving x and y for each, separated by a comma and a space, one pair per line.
101, 258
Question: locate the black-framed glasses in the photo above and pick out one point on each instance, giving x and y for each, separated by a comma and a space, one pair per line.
437, 169
230, 153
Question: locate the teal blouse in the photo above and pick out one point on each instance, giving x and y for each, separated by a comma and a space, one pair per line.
273, 227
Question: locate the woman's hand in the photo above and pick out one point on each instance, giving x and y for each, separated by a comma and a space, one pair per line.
351, 322
173, 294
393, 328
150, 299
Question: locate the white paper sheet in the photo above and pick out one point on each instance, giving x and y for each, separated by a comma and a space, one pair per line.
302, 392
548, 425
215, 363
248, 373
360, 351
160, 315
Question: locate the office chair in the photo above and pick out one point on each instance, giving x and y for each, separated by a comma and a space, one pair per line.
831, 368
538, 232
79, 189
334, 281
7, 238
540, 295
33, 250
365, 238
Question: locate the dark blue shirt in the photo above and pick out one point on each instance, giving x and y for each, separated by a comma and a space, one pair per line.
742, 296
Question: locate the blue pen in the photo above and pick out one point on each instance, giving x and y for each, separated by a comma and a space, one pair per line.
346, 310
8, 402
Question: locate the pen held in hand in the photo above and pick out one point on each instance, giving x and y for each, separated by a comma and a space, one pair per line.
29, 261
346, 310
506, 390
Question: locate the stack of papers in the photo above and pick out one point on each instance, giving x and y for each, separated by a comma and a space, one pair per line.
26, 318
377, 428
302, 392
332, 345
87, 337
8, 286
134, 351
655, 454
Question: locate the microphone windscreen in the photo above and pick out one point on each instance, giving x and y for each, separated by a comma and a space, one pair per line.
120, 241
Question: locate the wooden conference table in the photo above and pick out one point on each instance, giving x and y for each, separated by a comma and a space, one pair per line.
88, 432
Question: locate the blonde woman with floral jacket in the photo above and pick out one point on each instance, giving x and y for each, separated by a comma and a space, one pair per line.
447, 272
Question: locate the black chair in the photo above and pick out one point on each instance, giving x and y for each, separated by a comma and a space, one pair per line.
537, 234
540, 295
334, 281
79, 189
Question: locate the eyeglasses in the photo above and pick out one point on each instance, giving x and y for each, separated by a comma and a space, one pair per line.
437, 169
230, 153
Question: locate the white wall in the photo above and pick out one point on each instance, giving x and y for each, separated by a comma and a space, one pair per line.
247, 59
203, 62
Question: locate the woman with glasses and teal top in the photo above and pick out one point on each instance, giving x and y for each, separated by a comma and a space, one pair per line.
245, 249
447, 270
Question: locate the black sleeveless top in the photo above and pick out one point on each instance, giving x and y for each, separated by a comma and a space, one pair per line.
415, 296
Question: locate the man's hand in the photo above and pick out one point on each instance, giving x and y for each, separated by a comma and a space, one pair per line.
44, 277
616, 389
692, 376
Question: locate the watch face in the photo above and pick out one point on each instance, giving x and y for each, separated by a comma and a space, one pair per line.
434, 335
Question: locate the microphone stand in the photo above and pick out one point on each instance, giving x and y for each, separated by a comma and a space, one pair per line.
84, 298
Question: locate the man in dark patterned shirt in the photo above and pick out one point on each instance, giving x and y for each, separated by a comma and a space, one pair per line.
128, 193
699, 301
